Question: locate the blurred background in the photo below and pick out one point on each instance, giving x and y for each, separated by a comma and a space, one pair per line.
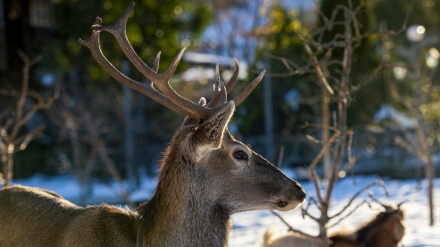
60, 113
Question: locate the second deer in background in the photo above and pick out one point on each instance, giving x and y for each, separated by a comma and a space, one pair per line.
385, 230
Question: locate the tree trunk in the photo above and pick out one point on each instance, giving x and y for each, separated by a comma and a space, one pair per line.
8, 164
325, 110
128, 133
430, 176
427, 160
322, 224
268, 114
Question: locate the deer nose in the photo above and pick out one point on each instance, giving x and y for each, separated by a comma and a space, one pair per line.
301, 192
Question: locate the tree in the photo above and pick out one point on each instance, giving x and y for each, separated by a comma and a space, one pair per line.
416, 81
14, 135
88, 131
164, 26
331, 50
422, 104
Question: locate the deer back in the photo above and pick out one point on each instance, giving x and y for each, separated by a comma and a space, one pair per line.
37, 217
289, 239
344, 241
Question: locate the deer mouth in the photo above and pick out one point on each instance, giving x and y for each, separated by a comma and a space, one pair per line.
284, 205
289, 202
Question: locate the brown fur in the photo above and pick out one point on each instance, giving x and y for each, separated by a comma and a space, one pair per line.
46, 219
290, 239
385, 230
344, 241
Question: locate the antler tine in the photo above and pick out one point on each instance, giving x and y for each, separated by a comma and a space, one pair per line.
95, 49
202, 101
220, 95
231, 83
162, 83
233, 79
119, 30
240, 98
164, 94
402, 202
156, 62
155, 68
377, 201
160, 80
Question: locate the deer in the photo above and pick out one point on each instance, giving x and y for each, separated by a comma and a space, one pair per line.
205, 175
386, 229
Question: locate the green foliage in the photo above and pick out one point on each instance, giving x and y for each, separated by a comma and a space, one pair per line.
282, 28
402, 93
393, 12
283, 43
368, 96
280, 42
153, 26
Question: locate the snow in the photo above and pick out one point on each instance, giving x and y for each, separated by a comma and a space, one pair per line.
389, 112
249, 227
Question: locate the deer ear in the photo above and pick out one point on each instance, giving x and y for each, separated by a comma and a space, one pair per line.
209, 134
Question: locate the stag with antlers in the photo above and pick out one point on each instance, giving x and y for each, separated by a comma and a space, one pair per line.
205, 176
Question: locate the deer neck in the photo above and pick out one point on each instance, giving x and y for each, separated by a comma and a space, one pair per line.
181, 213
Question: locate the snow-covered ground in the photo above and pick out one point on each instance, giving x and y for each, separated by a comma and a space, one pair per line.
249, 227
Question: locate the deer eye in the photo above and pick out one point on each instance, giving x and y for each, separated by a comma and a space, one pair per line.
240, 155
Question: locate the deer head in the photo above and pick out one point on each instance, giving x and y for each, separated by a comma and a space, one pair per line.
386, 229
206, 174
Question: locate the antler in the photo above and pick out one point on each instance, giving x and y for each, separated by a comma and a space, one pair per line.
387, 208
402, 202
164, 94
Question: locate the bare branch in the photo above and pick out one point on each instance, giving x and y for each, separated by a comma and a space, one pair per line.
290, 228
23, 141
313, 175
348, 214
318, 69
280, 157
305, 211
380, 182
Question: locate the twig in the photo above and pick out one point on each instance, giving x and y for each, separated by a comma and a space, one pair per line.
318, 69
347, 215
290, 228
318, 126
379, 181
305, 211
351, 159
280, 157
373, 198
313, 175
